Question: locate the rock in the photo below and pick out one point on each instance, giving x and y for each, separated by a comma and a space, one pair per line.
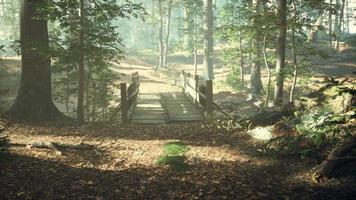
261, 133
341, 104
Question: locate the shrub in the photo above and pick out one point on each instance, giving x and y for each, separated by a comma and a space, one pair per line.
315, 130
174, 156
351, 40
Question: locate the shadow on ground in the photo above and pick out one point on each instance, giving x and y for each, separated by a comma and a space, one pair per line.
31, 178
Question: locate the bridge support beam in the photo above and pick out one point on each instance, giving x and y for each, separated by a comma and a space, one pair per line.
124, 108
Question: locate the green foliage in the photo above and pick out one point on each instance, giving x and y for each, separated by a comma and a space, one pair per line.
4, 140
231, 58
176, 162
101, 46
319, 127
314, 130
351, 40
9, 22
175, 148
174, 156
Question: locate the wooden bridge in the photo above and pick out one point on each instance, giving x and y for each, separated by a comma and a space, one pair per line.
193, 103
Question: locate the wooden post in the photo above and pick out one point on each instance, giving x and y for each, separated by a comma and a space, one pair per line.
184, 82
209, 97
124, 107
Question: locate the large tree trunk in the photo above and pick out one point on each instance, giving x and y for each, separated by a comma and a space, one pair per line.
168, 27
34, 97
281, 52
208, 41
256, 83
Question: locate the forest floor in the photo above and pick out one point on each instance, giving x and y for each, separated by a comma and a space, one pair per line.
122, 165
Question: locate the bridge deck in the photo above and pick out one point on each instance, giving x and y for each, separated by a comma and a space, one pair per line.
161, 108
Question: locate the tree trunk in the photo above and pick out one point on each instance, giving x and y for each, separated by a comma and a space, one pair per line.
186, 24
168, 26
334, 158
347, 24
330, 22
34, 98
256, 83
339, 25
295, 62
242, 69
160, 37
195, 46
281, 51
336, 20
268, 70
208, 41
81, 65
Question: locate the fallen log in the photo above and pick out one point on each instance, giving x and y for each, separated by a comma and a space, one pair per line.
336, 157
56, 146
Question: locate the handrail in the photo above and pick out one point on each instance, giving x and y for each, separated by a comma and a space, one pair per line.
128, 98
201, 91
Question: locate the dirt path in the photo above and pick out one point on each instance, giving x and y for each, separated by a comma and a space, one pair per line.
221, 165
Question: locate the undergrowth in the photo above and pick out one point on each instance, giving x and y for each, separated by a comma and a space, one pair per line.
174, 156
314, 131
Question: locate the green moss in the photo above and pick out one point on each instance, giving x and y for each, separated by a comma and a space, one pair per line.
176, 162
174, 156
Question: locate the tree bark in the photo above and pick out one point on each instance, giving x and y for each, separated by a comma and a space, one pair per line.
34, 98
268, 70
295, 61
330, 22
256, 83
281, 51
208, 41
339, 25
168, 27
336, 20
81, 65
242, 65
160, 35
334, 158
186, 24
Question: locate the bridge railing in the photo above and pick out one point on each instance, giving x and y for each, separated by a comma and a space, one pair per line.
198, 90
129, 93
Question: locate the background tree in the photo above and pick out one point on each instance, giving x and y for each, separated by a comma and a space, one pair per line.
281, 51
208, 41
